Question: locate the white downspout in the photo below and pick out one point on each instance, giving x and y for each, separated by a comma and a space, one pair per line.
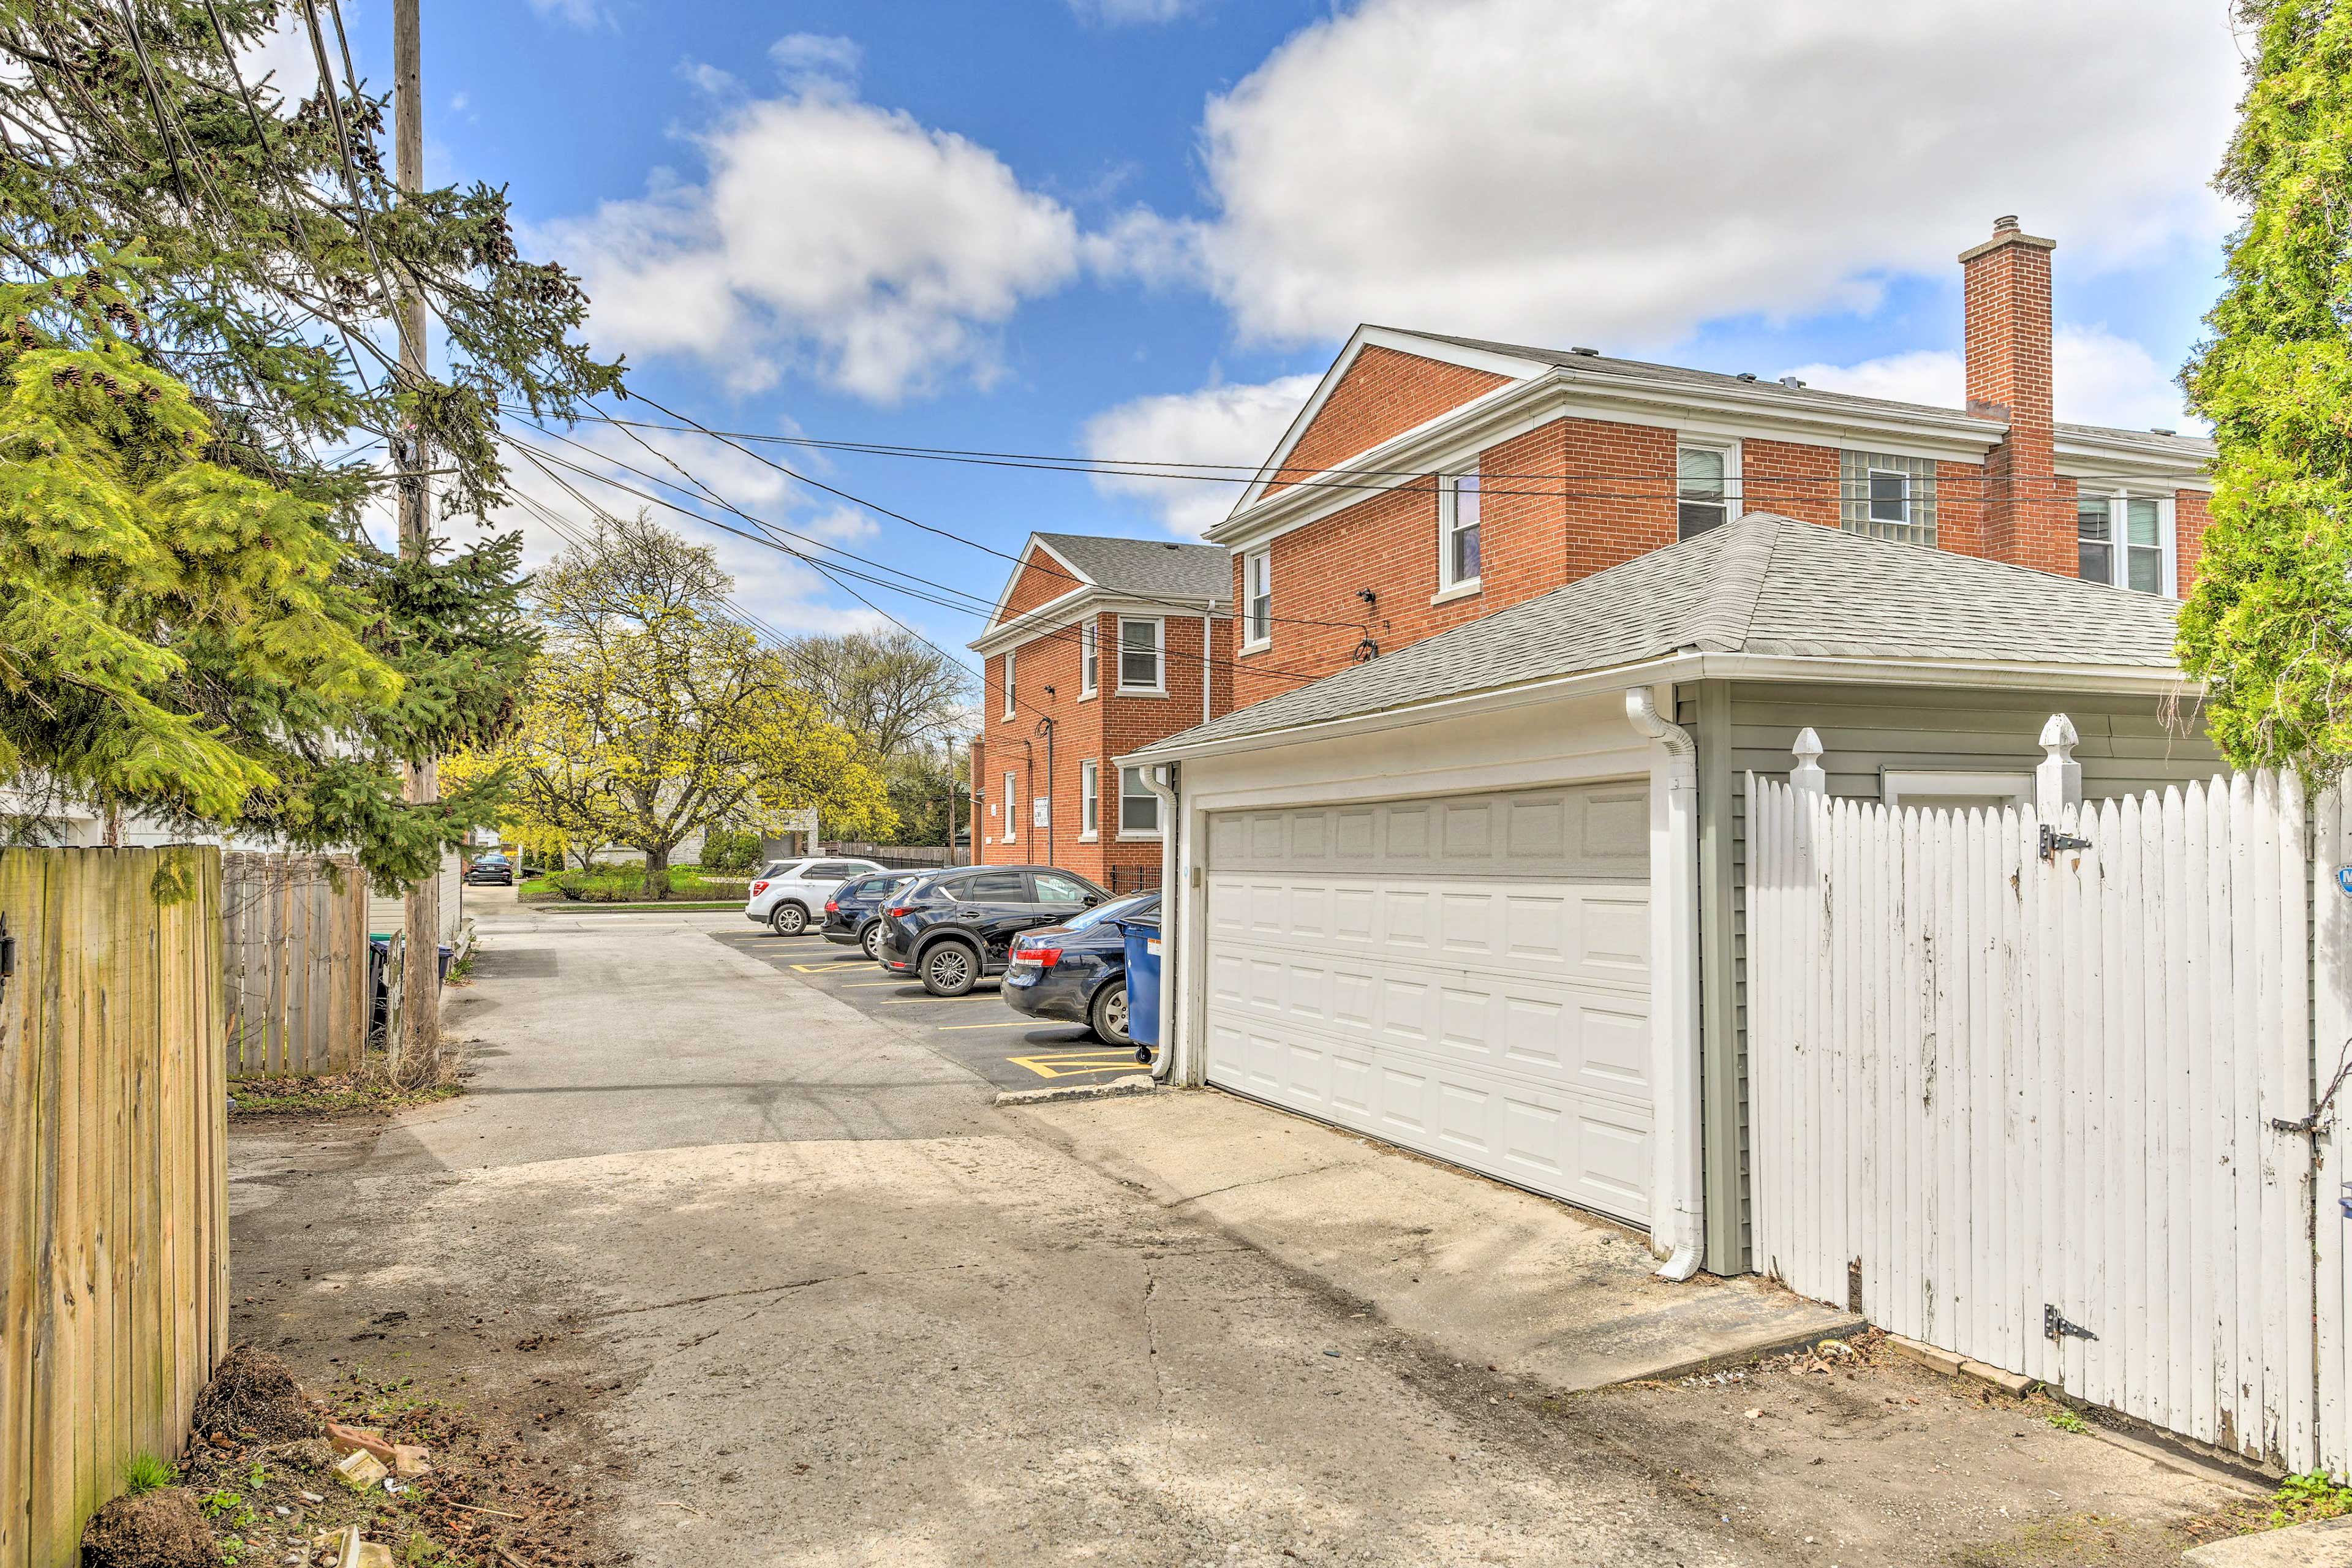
1680, 1185
1161, 782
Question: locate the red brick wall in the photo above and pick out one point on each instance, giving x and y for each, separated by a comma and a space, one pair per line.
1037, 580
1561, 502
2192, 512
1960, 509
1383, 394
2029, 518
1794, 480
1101, 728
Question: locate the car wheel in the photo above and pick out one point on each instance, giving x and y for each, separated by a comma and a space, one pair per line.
788, 920
870, 938
1109, 1014
950, 969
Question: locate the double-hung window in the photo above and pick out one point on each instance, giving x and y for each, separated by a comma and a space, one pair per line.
1089, 657
1457, 545
1089, 798
1011, 826
1008, 683
1257, 596
1139, 655
1702, 488
2124, 541
1139, 808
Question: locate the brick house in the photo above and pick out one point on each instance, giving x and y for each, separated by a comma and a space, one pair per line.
1097, 646
1432, 479
1464, 867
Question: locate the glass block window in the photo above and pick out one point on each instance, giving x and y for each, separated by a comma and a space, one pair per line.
1887, 497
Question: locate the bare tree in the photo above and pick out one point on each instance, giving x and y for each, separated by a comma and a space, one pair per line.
891, 689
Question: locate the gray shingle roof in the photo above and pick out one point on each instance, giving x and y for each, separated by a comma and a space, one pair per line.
1765, 585
1153, 568
2190, 446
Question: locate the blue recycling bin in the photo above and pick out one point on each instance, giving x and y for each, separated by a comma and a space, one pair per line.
1143, 934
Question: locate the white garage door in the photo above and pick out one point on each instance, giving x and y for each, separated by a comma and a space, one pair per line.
1466, 977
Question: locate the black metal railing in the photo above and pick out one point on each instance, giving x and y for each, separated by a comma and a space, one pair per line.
1125, 879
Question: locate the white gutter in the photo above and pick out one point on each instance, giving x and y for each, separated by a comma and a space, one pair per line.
1679, 1188
2149, 681
1161, 782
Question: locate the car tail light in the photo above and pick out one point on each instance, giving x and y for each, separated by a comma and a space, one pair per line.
900, 912
1045, 956
759, 888
833, 906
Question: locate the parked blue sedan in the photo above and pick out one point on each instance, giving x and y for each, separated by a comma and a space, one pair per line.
1077, 971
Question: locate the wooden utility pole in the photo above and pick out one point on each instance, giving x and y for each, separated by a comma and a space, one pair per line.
415, 1055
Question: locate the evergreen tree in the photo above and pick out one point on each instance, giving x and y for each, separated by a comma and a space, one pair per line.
2268, 625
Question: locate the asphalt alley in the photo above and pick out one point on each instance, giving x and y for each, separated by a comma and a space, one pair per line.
976, 1030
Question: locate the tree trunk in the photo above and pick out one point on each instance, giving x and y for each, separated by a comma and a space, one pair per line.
658, 873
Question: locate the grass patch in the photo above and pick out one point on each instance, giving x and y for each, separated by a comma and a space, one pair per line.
146, 1473
2305, 1500
2066, 1420
320, 1096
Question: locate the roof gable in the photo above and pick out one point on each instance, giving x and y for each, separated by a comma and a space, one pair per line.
1054, 567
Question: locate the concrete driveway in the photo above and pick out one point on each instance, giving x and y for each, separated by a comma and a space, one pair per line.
775, 1280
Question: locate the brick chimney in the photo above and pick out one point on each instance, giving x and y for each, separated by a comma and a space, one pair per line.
2007, 288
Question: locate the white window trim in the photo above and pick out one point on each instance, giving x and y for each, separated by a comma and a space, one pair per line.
1089, 801
1733, 509
1894, 783
1159, 807
1159, 687
1012, 818
1250, 564
2168, 570
1910, 497
1089, 656
1449, 586
1011, 690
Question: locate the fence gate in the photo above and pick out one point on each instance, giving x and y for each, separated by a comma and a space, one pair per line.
2042, 1089
295, 939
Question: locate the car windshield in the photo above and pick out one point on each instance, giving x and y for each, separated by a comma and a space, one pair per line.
1139, 904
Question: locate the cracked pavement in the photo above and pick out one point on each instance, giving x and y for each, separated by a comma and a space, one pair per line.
779, 1285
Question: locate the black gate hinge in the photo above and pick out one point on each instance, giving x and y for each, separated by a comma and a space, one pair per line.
2055, 1328
2054, 841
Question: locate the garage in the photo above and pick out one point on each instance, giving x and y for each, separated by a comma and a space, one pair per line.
1465, 976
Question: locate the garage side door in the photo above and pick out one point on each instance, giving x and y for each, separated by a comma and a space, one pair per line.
1466, 977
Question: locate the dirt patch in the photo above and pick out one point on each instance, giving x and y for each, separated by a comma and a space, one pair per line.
363, 1093
162, 1529
252, 1395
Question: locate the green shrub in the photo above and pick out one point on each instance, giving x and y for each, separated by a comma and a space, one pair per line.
611, 884
727, 850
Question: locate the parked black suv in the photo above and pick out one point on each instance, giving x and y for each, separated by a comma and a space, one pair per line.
950, 928
853, 916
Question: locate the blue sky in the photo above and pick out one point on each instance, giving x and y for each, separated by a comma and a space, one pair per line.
1138, 227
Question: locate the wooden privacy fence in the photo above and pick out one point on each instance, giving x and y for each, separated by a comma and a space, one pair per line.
295, 935
2043, 1094
114, 1178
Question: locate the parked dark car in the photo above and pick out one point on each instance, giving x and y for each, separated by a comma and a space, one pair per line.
853, 916
492, 868
950, 928
1076, 970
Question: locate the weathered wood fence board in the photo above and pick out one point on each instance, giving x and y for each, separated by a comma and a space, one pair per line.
114, 1178
296, 934
2001, 1098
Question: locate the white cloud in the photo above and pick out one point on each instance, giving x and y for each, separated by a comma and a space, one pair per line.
810, 60
579, 13
1617, 172
1217, 425
826, 234
1132, 13
2099, 378
283, 58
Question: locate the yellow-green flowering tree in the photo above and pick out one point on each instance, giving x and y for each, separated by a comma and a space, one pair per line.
652, 714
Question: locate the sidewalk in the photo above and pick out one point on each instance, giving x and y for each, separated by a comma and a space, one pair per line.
1481, 1269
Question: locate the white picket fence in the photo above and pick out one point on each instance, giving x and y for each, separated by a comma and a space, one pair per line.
1997, 1097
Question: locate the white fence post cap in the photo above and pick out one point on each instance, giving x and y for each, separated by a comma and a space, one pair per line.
2058, 780
1807, 774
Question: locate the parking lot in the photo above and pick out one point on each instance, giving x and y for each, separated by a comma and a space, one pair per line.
1008, 1050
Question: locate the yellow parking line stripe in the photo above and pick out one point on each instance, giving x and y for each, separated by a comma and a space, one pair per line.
820, 968
904, 1001
1015, 1024
1065, 1064
878, 985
